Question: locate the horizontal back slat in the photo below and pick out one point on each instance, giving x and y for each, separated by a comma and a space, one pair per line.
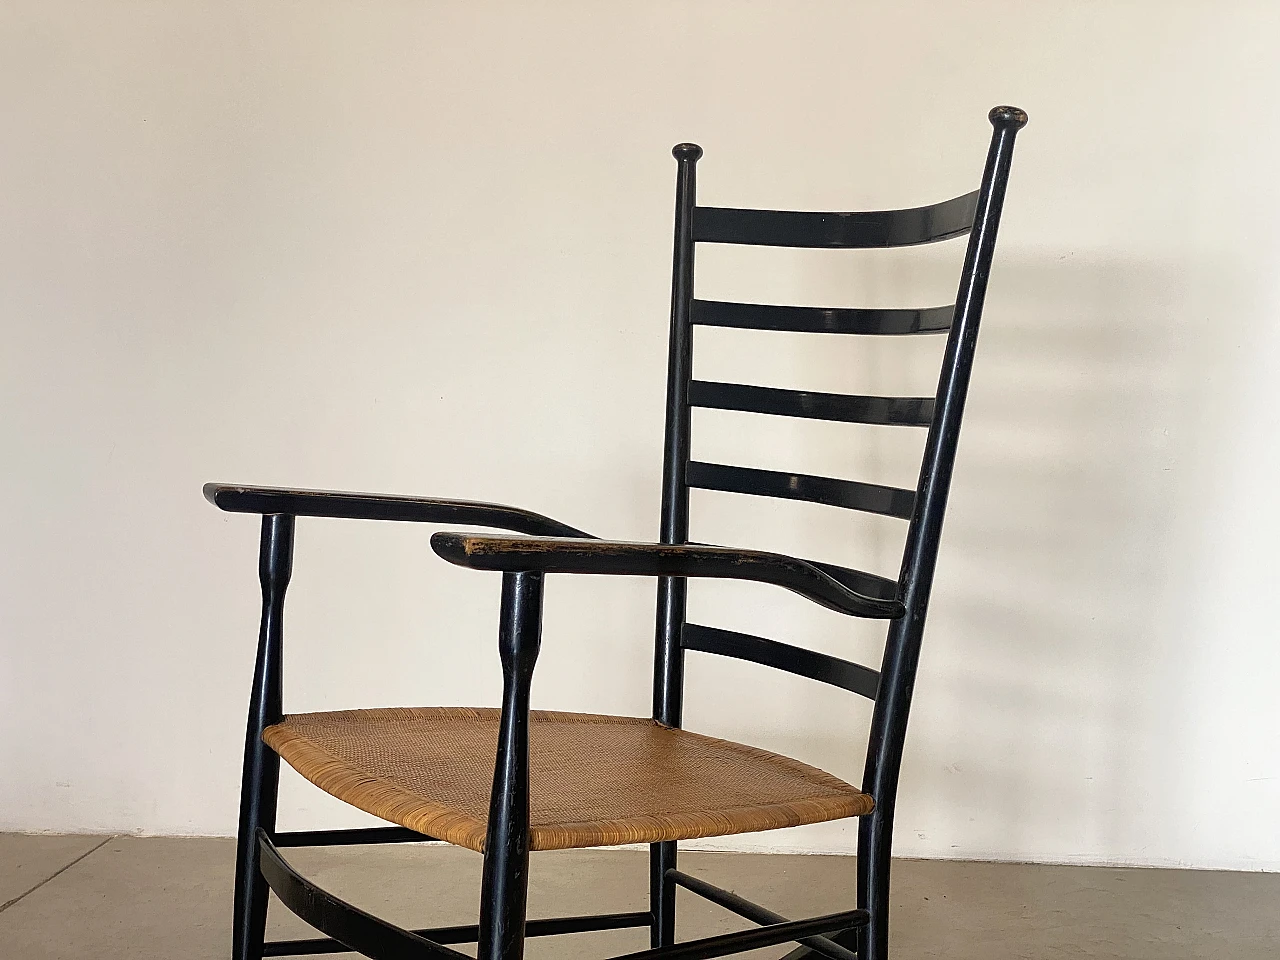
782, 656
900, 411
877, 228
892, 321
852, 494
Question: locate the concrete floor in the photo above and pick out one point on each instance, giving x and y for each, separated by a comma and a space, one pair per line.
139, 898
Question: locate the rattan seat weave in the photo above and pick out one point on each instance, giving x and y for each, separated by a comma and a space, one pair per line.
594, 781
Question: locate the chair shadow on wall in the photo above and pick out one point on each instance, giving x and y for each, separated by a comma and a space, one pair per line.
1041, 688
1051, 627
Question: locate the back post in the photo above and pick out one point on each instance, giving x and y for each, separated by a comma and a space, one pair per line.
902, 645
668, 658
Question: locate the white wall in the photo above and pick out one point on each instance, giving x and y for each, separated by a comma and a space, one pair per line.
424, 247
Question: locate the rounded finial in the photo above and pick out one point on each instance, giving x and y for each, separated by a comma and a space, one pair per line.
686, 151
1007, 117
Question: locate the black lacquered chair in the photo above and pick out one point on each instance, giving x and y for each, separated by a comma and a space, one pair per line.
505, 781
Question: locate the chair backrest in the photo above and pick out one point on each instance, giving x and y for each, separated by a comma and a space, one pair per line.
976, 214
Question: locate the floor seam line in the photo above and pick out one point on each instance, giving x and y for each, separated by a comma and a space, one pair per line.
57, 873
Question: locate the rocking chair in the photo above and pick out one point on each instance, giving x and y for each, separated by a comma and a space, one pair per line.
508, 781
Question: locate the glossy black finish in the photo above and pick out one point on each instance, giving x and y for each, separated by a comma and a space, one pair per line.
873, 321
859, 581
349, 925
668, 657
902, 646
900, 411
783, 656
674, 528
740, 942
505, 882
878, 228
261, 774
850, 494
662, 893
342, 838
470, 933
562, 555
374, 506
756, 913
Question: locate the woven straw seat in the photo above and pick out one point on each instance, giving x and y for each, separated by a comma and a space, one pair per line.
594, 780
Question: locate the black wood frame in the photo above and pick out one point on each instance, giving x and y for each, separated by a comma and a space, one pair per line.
553, 547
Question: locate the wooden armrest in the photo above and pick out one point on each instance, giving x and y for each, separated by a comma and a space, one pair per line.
561, 555
374, 506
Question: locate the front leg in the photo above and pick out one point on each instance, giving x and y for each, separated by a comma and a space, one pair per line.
505, 884
261, 776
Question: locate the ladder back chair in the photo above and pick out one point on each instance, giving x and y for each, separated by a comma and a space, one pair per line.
506, 781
